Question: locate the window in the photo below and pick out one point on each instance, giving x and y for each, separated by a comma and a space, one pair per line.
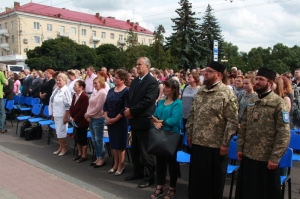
103, 35
94, 45
0, 26
12, 39
0, 40
12, 24
48, 38
6, 39
7, 53
36, 25
5, 25
150, 41
12, 52
36, 39
2, 54
83, 43
83, 32
120, 37
49, 27
73, 31
112, 35
143, 40
62, 29
94, 33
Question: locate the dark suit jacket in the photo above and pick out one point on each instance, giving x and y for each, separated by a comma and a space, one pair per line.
8, 90
141, 101
78, 110
26, 85
36, 86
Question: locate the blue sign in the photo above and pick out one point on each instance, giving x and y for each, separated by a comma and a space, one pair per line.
215, 51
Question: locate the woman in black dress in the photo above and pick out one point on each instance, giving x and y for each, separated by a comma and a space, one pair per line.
114, 107
47, 86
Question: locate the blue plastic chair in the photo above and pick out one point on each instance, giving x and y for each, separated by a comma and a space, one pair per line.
27, 103
41, 119
9, 107
295, 143
232, 168
183, 157
286, 162
35, 112
20, 103
4, 102
16, 99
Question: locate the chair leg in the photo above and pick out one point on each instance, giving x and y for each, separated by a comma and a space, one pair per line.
231, 185
290, 188
17, 127
49, 135
128, 155
179, 171
283, 191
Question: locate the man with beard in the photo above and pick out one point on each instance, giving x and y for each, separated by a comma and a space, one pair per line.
262, 140
213, 120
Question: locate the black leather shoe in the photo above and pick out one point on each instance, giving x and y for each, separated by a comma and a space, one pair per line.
133, 177
146, 183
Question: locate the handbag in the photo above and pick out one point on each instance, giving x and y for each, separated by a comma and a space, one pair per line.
163, 143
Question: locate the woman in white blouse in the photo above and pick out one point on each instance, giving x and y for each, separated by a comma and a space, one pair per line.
59, 104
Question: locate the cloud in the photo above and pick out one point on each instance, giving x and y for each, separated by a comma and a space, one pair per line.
104, 5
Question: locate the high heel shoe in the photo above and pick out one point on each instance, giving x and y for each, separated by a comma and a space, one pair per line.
157, 193
63, 153
118, 173
112, 170
56, 152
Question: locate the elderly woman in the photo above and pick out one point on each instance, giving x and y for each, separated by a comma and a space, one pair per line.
60, 102
114, 107
78, 108
94, 115
47, 86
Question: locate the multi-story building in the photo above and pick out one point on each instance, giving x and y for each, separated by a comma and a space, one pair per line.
26, 27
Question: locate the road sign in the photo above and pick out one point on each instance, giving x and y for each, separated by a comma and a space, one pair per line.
215, 57
216, 50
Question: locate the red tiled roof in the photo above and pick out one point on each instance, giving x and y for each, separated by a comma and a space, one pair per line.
61, 13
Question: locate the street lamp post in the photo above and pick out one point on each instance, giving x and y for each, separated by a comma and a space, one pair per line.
224, 60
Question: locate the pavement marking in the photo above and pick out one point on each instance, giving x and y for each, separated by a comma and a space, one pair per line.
61, 175
6, 194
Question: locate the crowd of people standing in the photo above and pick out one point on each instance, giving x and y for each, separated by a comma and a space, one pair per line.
259, 107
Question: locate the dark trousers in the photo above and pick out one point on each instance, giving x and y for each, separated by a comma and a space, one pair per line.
80, 135
255, 180
208, 171
139, 147
162, 164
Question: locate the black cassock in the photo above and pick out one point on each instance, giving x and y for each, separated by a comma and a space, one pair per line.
255, 180
207, 173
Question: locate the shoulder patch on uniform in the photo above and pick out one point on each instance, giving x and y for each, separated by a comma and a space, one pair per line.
251, 104
232, 99
285, 116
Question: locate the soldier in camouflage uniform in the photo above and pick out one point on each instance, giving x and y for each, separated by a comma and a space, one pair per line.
262, 140
213, 120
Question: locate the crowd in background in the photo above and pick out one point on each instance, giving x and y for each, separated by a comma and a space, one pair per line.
90, 99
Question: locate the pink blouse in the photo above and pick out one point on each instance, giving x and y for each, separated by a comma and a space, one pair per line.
16, 84
96, 102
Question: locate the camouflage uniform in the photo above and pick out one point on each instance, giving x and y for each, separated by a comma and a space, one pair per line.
265, 131
213, 116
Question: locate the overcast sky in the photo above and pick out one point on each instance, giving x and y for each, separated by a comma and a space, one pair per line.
245, 23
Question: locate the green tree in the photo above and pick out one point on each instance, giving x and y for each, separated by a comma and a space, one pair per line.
132, 38
210, 31
108, 55
132, 53
184, 42
157, 46
85, 56
232, 56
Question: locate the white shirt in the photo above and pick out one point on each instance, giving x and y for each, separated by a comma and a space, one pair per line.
60, 101
77, 97
71, 86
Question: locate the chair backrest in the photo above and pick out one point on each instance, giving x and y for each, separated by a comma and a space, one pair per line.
184, 140
4, 102
295, 139
286, 159
28, 101
46, 111
35, 101
9, 105
16, 99
232, 150
36, 109
22, 100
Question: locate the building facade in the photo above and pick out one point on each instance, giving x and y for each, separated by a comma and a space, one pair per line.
25, 27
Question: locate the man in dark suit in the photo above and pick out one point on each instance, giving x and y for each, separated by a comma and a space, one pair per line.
36, 84
140, 106
26, 83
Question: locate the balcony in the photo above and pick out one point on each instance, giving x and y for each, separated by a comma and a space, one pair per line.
4, 46
4, 32
121, 42
9, 58
95, 39
62, 34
